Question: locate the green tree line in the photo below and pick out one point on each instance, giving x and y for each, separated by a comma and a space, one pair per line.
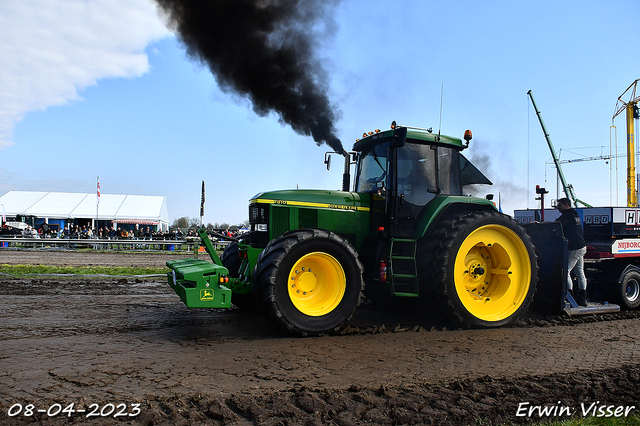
194, 222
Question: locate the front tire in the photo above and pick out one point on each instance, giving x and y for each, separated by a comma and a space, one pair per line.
308, 282
231, 260
485, 269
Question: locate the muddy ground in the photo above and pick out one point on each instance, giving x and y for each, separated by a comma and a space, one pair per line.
127, 350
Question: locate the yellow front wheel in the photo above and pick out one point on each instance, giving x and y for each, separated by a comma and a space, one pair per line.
308, 281
489, 271
316, 284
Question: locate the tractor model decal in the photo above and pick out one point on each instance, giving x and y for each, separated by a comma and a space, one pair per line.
309, 204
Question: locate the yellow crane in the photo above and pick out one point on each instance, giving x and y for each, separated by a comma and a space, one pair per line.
631, 107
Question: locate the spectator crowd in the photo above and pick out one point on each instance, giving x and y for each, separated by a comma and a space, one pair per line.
108, 233
104, 233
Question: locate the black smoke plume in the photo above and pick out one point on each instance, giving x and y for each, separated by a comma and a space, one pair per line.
264, 50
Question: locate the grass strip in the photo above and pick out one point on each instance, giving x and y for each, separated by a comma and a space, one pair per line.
81, 270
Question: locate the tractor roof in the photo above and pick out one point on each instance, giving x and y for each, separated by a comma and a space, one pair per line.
414, 135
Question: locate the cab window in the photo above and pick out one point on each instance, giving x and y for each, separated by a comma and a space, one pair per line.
416, 173
449, 171
372, 174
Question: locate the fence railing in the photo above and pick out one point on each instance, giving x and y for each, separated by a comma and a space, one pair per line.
106, 244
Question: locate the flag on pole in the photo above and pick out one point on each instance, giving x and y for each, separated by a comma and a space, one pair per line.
98, 192
202, 201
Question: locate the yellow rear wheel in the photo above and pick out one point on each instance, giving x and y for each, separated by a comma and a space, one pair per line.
484, 269
492, 273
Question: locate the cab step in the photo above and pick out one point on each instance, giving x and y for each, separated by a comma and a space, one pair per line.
403, 271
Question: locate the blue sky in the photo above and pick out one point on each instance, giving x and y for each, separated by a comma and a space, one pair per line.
101, 88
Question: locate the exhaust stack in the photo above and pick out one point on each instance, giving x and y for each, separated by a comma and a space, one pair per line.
346, 176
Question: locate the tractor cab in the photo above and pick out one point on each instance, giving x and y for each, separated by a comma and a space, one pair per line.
407, 168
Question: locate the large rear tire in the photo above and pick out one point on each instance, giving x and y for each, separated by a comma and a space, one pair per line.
485, 269
308, 282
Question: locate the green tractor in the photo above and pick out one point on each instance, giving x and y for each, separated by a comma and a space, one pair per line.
406, 231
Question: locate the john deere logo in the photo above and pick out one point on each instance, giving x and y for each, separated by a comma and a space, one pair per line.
206, 295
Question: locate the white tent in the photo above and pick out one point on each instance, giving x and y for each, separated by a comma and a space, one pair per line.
139, 209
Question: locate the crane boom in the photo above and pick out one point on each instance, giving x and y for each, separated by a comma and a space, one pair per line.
568, 189
600, 157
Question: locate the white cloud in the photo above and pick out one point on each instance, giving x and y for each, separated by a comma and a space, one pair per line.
51, 49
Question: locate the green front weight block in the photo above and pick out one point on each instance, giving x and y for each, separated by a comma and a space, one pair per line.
197, 282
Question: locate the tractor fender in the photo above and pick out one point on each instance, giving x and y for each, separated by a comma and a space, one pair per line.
446, 207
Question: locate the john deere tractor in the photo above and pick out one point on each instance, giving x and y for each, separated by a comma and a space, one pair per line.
406, 230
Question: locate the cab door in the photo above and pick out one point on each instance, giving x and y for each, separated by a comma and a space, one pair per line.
414, 183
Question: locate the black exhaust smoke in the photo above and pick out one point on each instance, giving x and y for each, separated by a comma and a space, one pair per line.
264, 50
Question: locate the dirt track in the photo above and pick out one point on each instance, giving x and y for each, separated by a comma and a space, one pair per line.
121, 341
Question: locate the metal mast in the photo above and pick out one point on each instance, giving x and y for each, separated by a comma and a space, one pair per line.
568, 189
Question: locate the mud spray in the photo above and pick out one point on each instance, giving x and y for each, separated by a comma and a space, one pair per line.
263, 50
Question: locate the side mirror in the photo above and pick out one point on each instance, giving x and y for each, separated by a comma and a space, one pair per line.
327, 159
